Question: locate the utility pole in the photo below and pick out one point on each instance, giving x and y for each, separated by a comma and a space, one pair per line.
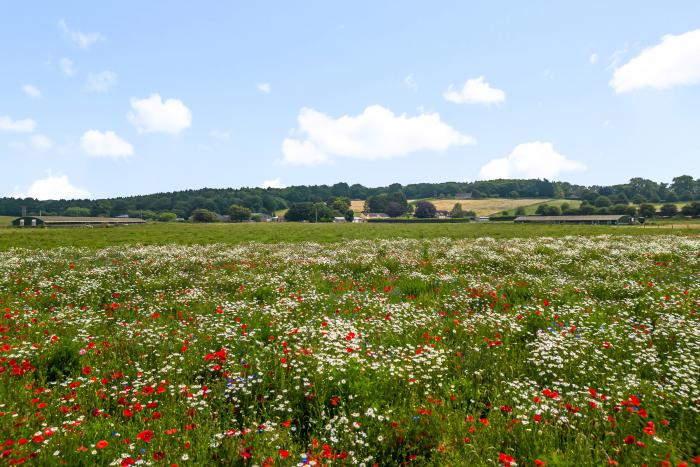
316, 214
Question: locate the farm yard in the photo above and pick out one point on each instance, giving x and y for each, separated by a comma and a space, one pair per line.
532, 350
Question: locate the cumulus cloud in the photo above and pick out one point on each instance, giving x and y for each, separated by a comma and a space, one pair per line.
31, 91
530, 160
26, 125
152, 114
376, 133
105, 144
264, 88
102, 81
474, 91
52, 187
81, 39
67, 66
675, 61
274, 183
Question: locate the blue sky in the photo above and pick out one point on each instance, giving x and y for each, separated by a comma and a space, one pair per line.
118, 98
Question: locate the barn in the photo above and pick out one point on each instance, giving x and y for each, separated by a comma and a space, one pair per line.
64, 221
602, 219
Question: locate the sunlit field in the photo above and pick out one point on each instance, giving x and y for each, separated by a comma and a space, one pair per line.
514, 351
272, 232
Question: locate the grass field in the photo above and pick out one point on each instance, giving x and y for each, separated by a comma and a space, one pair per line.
482, 207
531, 209
486, 206
232, 234
441, 352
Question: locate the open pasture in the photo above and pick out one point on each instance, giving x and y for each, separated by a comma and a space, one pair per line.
487, 206
266, 232
537, 351
482, 207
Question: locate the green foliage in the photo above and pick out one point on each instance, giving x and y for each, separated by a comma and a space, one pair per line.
75, 211
239, 213
424, 210
647, 210
63, 361
309, 212
205, 216
602, 202
167, 216
668, 210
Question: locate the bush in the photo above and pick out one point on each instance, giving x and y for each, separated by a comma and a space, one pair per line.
202, 215
167, 216
239, 213
425, 210
669, 210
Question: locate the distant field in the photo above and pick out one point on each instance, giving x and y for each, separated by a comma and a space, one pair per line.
357, 205
5, 221
486, 206
482, 207
203, 234
532, 208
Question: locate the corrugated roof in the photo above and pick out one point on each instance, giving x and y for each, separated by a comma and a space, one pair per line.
598, 217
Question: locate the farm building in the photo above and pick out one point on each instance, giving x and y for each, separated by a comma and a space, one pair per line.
607, 219
376, 215
339, 220
62, 221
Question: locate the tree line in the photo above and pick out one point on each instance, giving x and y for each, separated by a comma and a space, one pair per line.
392, 198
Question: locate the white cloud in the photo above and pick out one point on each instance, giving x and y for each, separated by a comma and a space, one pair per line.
105, 144
31, 91
102, 81
36, 143
26, 125
593, 59
264, 88
674, 61
530, 160
67, 66
474, 91
410, 82
222, 135
53, 187
274, 183
302, 153
152, 114
83, 40
377, 133
40, 142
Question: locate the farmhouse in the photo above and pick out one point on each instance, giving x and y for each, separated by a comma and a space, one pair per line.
377, 215
607, 219
62, 221
339, 220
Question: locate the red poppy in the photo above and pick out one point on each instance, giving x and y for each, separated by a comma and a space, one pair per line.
101, 444
146, 436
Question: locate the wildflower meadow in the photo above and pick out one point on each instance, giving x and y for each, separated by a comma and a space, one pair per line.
522, 351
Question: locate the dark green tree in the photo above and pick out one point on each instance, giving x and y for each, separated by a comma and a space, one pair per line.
668, 210
202, 215
425, 210
239, 213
